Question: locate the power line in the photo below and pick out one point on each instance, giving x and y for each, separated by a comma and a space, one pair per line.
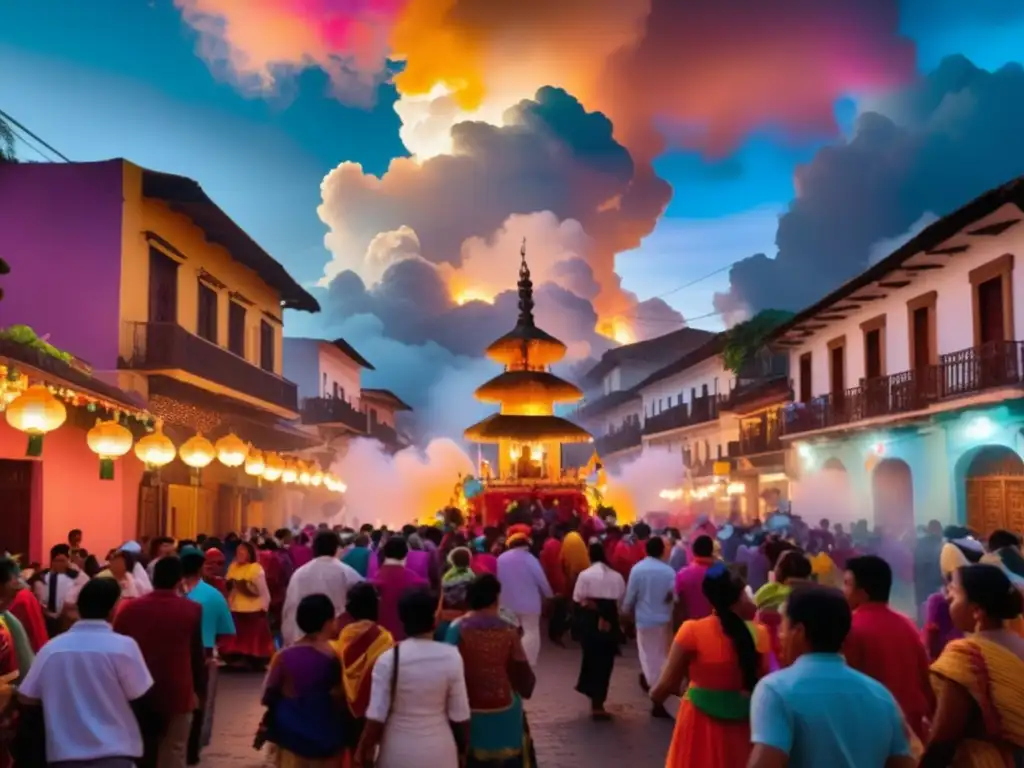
15, 124
22, 139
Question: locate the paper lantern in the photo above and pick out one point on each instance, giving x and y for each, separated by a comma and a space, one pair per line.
108, 440
36, 411
316, 479
254, 463
231, 451
332, 483
197, 452
290, 473
155, 449
273, 467
304, 474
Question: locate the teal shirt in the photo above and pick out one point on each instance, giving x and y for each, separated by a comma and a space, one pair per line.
820, 712
217, 621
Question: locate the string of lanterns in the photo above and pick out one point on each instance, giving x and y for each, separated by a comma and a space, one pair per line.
38, 410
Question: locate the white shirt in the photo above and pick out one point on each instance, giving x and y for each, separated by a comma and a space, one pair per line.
431, 693
599, 582
67, 589
142, 583
322, 575
86, 679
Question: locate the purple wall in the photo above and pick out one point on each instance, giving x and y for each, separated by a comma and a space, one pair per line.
60, 231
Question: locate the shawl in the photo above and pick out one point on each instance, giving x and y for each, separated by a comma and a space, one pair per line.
575, 558
358, 647
22, 647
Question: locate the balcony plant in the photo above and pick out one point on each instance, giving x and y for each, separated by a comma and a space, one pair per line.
745, 340
25, 336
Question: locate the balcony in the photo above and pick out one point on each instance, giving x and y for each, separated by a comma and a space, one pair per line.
957, 374
165, 347
761, 434
702, 409
332, 411
386, 434
748, 396
628, 436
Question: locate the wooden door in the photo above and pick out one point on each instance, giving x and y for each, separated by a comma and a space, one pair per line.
995, 502
16, 506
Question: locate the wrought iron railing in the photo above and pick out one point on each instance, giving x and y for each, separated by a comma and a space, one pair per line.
168, 346
332, 410
628, 436
700, 410
761, 434
957, 374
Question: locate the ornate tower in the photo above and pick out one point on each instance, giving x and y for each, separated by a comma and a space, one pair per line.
528, 434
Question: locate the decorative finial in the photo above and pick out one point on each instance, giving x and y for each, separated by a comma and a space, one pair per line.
525, 291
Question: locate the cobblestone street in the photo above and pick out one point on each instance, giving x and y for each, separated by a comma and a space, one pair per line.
565, 735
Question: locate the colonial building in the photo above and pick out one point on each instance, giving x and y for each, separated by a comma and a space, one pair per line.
908, 379
612, 409
141, 274
332, 397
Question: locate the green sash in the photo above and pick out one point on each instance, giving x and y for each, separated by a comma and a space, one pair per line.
720, 705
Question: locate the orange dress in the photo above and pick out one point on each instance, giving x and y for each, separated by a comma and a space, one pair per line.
700, 740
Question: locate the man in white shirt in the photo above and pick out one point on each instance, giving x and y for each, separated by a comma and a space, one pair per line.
325, 574
57, 589
86, 681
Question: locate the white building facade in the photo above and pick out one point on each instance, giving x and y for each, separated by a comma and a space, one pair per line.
907, 380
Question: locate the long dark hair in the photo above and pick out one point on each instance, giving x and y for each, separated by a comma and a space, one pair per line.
722, 589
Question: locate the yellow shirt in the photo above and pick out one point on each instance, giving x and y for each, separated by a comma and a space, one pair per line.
238, 601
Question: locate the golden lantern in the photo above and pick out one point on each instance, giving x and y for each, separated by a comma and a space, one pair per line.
317, 478
156, 449
273, 467
36, 411
254, 463
231, 451
304, 474
332, 483
197, 452
290, 473
108, 440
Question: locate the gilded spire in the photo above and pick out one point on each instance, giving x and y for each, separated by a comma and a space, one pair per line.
525, 291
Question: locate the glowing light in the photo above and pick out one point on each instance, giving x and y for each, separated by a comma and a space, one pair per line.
231, 451
536, 452
979, 428
618, 329
255, 465
197, 452
735, 489
273, 467
465, 297
290, 473
879, 449
671, 494
155, 449
773, 477
804, 451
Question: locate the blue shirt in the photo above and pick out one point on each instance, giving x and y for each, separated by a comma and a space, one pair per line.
523, 583
821, 712
217, 621
649, 592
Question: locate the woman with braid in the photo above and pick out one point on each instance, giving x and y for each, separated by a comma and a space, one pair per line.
723, 656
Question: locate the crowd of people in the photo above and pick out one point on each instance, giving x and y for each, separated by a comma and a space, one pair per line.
770, 646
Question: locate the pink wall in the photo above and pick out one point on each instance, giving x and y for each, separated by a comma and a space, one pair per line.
60, 231
71, 495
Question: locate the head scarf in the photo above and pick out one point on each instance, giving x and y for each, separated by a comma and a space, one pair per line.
415, 542
575, 558
951, 558
455, 573
518, 534
132, 547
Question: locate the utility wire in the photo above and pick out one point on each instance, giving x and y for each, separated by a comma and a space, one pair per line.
22, 139
15, 124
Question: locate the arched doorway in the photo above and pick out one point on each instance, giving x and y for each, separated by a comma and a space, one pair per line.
834, 464
892, 490
994, 480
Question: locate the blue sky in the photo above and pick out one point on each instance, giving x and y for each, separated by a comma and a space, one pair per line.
127, 83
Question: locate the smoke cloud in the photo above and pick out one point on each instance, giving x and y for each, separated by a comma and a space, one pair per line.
925, 150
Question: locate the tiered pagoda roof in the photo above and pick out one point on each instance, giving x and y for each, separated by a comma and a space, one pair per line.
526, 384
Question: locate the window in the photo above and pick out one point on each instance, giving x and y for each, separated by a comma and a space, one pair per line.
837, 366
236, 328
163, 287
266, 346
874, 347
923, 351
206, 323
806, 391
992, 293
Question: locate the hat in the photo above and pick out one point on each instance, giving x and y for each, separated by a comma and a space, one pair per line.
951, 557
132, 547
518, 534
191, 551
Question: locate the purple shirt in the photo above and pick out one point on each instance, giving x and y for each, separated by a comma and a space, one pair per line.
523, 583
757, 565
689, 589
938, 625
392, 581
